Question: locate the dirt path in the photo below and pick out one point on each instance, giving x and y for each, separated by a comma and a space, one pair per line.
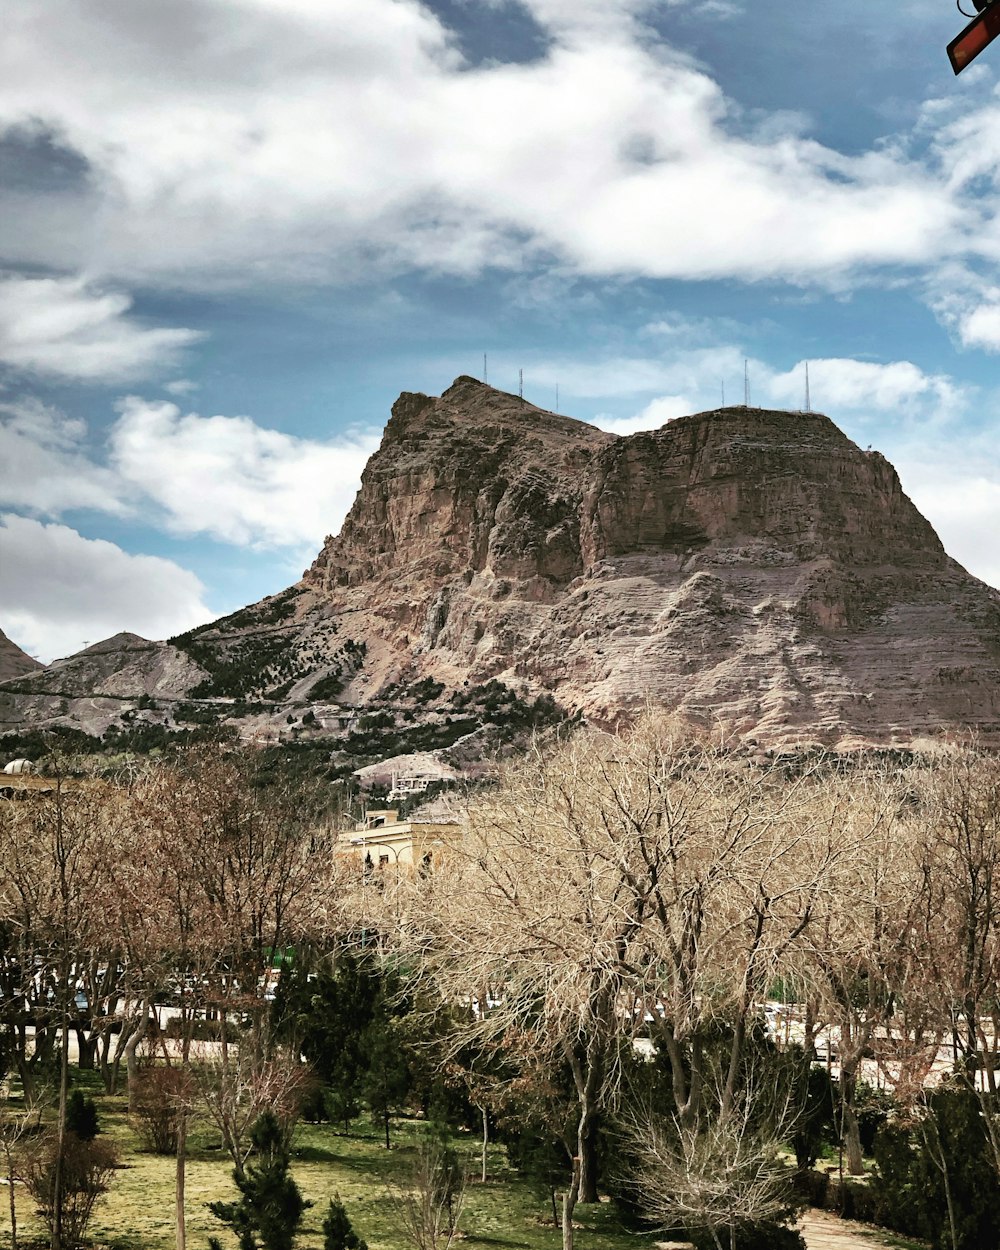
824, 1231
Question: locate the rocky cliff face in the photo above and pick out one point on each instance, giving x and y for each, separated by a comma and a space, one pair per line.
751, 569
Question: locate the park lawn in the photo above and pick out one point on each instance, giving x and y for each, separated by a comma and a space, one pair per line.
138, 1213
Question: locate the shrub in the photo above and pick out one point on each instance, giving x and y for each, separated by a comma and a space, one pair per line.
270, 1206
87, 1168
160, 1100
873, 1107
948, 1142
315, 1109
854, 1200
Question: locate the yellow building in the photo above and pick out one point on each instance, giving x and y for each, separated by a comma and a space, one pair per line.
383, 841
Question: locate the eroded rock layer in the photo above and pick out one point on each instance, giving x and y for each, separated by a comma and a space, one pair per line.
13, 661
751, 569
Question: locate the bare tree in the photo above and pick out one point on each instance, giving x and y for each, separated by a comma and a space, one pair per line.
236, 1092
227, 872
15, 1128
722, 1173
429, 1207
59, 859
643, 875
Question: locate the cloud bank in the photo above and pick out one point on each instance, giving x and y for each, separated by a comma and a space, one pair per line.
61, 590
64, 328
272, 139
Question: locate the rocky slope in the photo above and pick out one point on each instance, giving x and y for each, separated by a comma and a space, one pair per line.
749, 568
13, 661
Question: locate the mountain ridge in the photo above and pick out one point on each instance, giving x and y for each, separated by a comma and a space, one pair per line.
14, 662
745, 567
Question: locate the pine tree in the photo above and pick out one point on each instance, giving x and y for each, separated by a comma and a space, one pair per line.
387, 1081
81, 1116
338, 1232
270, 1208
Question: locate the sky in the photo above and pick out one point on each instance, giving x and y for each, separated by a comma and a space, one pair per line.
233, 231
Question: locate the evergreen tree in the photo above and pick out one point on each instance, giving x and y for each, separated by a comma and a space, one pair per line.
81, 1116
270, 1208
387, 1081
338, 1232
325, 1014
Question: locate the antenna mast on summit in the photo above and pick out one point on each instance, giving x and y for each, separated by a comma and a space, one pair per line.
485, 379
520, 384
808, 408
723, 394
746, 383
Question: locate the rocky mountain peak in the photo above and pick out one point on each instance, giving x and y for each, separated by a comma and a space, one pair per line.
743, 564
748, 568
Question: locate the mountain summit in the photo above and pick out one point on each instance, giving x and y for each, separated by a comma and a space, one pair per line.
749, 568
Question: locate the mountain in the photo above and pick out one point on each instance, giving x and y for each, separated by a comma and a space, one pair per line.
750, 568
13, 661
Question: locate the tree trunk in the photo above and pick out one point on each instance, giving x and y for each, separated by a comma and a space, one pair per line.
131, 1061
568, 1205
486, 1138
10, 1195
86, 1048
587, 1148
586, 1078
104, 1061
187, 1029
182, 1119
57, 1180
852, 1140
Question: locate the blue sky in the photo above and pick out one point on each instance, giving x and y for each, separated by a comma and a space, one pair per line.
232, 231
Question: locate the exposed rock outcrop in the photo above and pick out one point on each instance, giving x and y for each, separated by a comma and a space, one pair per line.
748, 568
92, 688
13, 661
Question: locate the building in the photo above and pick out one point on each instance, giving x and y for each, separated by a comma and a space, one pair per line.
383, 841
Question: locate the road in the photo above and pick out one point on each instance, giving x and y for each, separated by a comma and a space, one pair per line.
824, 1231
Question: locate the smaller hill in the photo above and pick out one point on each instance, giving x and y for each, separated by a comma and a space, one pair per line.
13, 661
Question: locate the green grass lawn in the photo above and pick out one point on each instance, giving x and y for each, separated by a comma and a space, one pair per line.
138, 1211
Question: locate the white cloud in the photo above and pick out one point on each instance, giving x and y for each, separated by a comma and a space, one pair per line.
224, 477
233, 480
182, 386
655, 414
60, 590
270, 138
980, 327
63, 328
962, 502
845, 383
46, 469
